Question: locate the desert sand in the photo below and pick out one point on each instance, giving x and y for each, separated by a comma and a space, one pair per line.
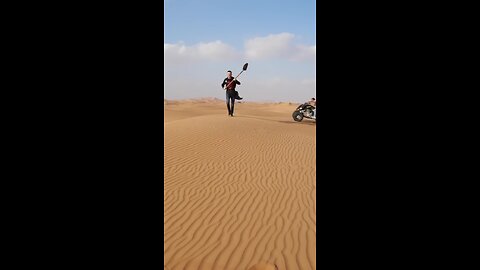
239, 192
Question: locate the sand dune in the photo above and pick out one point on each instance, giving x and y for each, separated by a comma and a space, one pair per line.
239, 193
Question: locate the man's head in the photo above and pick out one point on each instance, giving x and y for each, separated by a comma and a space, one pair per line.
229, 74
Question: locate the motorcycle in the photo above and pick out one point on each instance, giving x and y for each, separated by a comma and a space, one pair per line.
304, 111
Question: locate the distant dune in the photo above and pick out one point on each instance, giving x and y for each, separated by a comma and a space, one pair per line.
239, 192
217, 100
194, 100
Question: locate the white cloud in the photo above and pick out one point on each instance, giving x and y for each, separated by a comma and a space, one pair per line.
275, 46
213, 51
280, 46
305, 53
269, 46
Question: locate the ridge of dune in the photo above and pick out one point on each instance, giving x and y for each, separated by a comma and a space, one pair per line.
239, 193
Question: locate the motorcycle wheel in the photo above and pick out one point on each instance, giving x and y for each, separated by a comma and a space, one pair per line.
297, 116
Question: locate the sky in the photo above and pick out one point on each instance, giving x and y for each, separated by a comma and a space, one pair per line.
204, 39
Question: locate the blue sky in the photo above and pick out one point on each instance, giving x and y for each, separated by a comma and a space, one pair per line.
203, 39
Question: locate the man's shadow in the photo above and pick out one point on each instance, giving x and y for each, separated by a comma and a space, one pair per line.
307, 122
304, 122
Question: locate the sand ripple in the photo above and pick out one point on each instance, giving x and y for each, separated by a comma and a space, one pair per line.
238, 192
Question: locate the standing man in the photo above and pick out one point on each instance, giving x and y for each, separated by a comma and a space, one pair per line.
230, 92
313, 103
